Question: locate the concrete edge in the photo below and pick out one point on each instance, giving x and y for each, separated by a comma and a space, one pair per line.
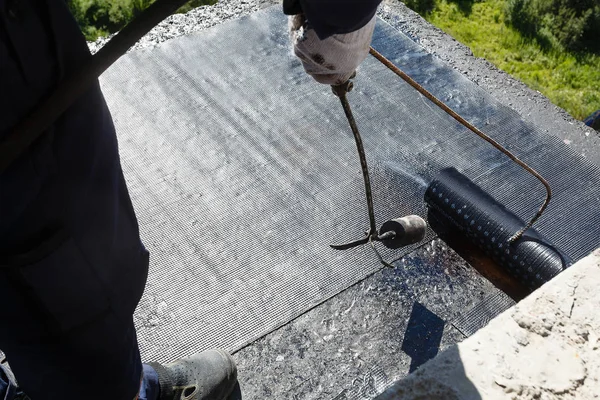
545, 347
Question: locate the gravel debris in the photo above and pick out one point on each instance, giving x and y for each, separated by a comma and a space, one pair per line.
183, 24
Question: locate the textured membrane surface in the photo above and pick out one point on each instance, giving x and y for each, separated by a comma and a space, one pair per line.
354, 345
242, 171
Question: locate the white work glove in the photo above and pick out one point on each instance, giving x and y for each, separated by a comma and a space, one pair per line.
334, 60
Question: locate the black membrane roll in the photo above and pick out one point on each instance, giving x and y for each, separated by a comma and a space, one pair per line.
454, 199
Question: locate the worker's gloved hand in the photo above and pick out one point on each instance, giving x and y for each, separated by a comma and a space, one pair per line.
334, 60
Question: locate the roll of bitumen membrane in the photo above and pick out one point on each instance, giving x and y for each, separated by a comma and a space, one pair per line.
454, 199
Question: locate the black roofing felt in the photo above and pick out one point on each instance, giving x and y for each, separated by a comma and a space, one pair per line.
242, 170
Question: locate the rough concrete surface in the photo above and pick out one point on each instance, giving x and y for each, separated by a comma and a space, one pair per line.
546, 347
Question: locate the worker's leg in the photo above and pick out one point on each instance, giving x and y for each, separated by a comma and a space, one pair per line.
100, 360
96, 361
150, 387
72, 266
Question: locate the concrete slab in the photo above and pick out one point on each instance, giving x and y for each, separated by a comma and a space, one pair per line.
546, 347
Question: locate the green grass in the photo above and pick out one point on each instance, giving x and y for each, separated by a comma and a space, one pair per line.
571, 81
98, 18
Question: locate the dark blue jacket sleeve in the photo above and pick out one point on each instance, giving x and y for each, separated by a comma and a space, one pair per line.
330, 17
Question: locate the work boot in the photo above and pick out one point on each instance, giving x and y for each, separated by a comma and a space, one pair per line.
210, 375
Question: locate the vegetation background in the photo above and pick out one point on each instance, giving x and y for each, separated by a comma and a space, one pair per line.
103, 17
553, 46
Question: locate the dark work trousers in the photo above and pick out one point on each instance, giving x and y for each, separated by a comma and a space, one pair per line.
72, 266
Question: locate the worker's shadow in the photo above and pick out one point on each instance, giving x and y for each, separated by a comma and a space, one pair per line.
423, 335
422, 341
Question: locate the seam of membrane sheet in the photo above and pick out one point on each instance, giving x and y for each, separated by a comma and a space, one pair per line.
482, 313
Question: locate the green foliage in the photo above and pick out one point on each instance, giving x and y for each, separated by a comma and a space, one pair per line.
520, 16
570, 80
423, 7
103, 17
573, 24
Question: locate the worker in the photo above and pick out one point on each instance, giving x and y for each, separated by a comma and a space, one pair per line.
72, 265
593, 121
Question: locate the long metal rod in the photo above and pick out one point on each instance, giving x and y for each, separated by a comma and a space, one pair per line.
475, 130
341, 93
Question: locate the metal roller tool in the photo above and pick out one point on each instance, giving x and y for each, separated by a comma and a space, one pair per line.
529, 257
394, 233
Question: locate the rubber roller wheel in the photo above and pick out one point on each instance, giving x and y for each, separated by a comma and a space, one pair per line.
456, 201
408, 230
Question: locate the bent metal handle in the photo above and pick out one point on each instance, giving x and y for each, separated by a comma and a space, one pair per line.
479, 133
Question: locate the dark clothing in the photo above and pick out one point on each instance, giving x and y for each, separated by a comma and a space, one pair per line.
8, 386
330, 17
72, 266
593, 120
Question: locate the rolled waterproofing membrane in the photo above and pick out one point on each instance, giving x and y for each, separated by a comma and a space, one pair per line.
454, 199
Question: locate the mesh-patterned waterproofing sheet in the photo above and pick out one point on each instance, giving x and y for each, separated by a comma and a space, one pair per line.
242, 170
